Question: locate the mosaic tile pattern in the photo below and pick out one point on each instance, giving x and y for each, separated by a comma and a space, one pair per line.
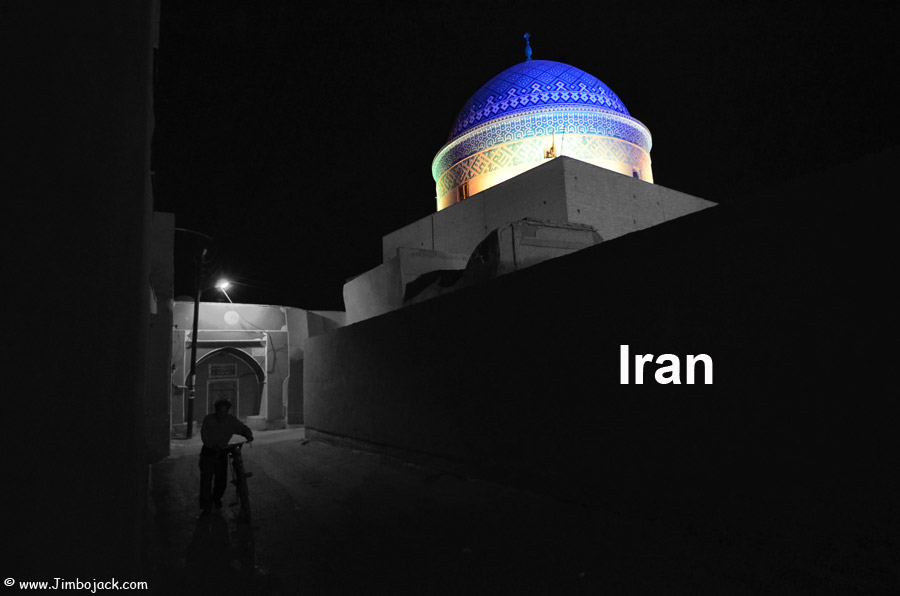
531, 150
534, 83
542, 121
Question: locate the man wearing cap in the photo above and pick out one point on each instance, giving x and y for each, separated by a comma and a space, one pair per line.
216, 432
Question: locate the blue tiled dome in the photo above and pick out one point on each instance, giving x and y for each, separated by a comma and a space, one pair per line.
532, 84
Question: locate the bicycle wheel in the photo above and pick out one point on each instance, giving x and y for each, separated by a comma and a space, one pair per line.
244, 497
240, 484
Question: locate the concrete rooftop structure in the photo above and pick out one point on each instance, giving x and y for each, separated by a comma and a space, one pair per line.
560, 194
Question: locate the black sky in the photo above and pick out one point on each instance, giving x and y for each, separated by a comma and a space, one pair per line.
298, 136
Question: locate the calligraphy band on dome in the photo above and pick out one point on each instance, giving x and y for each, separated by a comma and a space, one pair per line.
559, 120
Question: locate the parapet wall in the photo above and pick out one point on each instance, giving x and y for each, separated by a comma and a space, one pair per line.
563, 190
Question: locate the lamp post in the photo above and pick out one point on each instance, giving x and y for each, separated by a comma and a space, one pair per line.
222, 284
192, 383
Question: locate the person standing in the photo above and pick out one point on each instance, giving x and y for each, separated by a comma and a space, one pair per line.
216, 432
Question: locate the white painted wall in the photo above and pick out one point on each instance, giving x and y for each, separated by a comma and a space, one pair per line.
615, 204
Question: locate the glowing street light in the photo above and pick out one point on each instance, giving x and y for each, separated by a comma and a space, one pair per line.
222, 284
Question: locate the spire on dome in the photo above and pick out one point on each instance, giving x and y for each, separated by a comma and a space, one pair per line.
527, 46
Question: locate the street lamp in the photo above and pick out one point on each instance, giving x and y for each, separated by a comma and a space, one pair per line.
192, 385
222, 284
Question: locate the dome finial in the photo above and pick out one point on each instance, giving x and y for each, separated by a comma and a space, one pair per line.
527, 46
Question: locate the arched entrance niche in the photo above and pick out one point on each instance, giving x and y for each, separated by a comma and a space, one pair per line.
233, 374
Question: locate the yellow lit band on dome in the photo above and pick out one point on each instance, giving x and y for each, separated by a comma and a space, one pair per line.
498, 164
501, 149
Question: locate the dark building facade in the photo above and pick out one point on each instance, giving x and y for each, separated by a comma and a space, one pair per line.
78, 128
518, 378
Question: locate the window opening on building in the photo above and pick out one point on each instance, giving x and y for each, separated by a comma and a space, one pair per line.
222, 389
462, 191
551, 153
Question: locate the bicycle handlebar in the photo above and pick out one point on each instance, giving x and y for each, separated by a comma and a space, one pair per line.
232, 447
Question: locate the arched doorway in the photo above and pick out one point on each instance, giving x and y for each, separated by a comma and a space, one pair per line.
233, 374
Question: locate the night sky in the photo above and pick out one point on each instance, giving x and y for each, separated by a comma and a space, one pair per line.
298, 135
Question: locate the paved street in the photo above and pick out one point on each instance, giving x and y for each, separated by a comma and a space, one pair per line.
334, 520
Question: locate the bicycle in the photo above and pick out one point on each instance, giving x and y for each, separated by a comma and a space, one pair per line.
239, 478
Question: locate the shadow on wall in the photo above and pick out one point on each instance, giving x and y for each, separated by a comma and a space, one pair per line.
506, 249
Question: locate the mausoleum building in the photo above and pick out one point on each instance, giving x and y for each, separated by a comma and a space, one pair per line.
543, 160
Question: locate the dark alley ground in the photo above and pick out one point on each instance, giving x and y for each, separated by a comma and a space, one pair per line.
334, 520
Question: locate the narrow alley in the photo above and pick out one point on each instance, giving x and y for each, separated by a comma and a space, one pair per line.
334, 520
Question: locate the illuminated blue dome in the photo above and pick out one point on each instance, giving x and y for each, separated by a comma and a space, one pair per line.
534, 111
534, 84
